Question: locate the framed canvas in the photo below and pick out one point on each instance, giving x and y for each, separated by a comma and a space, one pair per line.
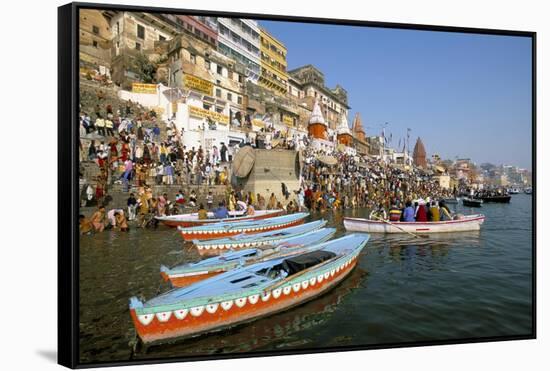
241, 185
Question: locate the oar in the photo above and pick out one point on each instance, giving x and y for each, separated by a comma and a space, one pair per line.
401, 229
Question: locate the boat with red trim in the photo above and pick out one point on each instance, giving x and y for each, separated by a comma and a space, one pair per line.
246, 294
186, 274
227, 229
192, 219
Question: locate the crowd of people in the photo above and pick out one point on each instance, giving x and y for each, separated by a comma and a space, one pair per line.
132, 147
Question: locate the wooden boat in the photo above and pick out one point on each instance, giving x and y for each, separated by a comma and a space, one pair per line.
186, 274
226, 229
467, 223
247, 293
259, 239
192, 219
497, 199
472, 202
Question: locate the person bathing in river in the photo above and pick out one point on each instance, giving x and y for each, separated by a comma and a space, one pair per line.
121, 222
98, 219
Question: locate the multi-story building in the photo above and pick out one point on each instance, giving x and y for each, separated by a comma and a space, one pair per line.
273, 65
239, 39
213, 84
195, 27
134, 33
307, 84
94, 41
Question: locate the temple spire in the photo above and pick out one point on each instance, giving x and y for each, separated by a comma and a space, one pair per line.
419, 154
358, 130
317, 115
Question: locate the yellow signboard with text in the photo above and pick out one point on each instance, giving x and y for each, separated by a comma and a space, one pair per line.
198, 84
214, 116
287, 120
138, 87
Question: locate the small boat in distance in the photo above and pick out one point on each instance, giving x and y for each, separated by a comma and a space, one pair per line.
227, 229
467, 223
246, 294
192, 219
497, 198
513, 191
256, 240
472, 202
528, 191
186, 274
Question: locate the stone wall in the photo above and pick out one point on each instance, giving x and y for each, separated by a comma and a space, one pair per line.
271, 169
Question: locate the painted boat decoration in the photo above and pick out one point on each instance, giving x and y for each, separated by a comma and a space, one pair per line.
192, 219
472, 202
259, 239
245, 294
227, 229
186, 274
467, 223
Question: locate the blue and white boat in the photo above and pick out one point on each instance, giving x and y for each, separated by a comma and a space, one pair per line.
247, 293
186, 274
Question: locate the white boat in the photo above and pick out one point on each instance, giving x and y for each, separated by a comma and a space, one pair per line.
192, 219
466, 223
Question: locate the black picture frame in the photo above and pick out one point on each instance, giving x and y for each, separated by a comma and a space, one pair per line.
68, 206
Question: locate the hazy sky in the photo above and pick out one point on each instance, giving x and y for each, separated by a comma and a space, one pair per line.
465, 95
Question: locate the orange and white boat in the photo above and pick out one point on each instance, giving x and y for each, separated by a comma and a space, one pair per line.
227, 229
247, 293
192, 219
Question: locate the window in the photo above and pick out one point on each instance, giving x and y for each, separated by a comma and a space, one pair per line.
218, 93
189, 27
140, 31
94, 43
162, 38
212, 41
117, 28
193, 58
207, 64
229, 96
219, 70
138, 46
240, 100
95, 30
241, 79
206, 106
219, 109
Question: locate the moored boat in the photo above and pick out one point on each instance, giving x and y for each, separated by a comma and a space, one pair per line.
192, 219
497, 198
256, 240
186, 274
528, 190
472, 202
245, 294
467, 223
227, 229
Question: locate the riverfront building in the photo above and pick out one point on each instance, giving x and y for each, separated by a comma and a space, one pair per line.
273, 64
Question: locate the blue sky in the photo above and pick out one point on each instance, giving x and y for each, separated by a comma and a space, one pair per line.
465, 95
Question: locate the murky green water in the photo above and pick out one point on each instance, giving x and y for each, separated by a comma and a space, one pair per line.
449, 286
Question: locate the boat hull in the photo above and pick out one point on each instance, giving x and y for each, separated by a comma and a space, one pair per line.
472, 223
164, 326
193, 220
223, 233
497, 199
472, 203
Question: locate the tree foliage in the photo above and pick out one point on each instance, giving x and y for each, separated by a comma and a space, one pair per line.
145, 69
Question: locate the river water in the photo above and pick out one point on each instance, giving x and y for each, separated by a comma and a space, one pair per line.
404, 289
